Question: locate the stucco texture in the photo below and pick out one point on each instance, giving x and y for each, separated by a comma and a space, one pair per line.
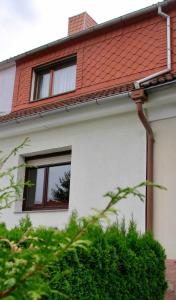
106, 153
164, 174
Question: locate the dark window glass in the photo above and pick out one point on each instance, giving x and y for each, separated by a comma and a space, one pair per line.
34, 194
30, 192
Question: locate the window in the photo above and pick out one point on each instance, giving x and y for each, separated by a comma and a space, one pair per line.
55, 79
50, 178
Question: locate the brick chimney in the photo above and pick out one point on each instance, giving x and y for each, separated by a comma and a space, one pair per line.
80, 22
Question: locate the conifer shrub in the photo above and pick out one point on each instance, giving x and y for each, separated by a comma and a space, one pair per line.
117, 264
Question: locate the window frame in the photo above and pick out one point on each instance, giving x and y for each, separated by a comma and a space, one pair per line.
51, 67
44, 205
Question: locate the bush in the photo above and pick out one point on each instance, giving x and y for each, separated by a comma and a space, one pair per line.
118, 264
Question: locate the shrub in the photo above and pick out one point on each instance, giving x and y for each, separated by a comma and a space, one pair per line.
118, 264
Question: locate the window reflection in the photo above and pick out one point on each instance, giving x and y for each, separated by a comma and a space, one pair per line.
59, 184
50, 186
35, 192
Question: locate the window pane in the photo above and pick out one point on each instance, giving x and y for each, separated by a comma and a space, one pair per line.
64, 79
30, 191
59, 184
43, 85
39, 186
35, 192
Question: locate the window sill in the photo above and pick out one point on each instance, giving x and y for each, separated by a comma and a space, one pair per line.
42, 210
53, 96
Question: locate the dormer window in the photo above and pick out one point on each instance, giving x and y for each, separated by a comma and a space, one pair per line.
55, 79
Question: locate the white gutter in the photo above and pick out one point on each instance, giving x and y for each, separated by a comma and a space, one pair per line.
169, 63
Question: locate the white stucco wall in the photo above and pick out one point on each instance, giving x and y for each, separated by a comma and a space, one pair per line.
161, 111
7, 78
164, 173
106, 152
108, 149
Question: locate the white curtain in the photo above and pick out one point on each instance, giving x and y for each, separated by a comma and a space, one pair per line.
64, 80
39, 186
44, 85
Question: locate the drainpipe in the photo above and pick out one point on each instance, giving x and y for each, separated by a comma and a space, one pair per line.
139, 97
169, 63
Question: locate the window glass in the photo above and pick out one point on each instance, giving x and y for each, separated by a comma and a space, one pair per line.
55, 79
64, 79
35, 191
43, 85
50, 178
59, 184
30, 192
39, 186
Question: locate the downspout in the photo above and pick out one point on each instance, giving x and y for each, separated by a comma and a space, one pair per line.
140, 97
169, 63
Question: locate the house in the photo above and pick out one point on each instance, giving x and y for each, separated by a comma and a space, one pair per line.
100, 105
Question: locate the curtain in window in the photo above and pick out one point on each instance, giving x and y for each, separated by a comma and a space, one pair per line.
39, 186
44, 80
64, 79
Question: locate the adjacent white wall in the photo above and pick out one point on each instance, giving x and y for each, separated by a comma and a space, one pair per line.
108, 149
106, 152
7, 78
164, 174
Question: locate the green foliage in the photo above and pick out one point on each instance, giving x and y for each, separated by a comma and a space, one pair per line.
11, 190
117, 264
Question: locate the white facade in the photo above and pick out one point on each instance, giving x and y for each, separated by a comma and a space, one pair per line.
108, 145
162, 114
108, 150
7, 78
165, 169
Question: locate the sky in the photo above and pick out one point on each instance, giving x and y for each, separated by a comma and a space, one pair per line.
27, 24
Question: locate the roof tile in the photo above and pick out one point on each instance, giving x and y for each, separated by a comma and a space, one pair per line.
84, 98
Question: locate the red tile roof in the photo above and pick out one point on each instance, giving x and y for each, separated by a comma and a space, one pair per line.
65, 103
24, 113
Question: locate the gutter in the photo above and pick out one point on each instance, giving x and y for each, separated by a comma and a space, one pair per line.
92, 29
67, 109
137, 84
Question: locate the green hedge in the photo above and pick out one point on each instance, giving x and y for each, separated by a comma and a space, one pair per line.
118, 264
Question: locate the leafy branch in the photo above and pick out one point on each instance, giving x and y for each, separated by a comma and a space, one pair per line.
11, 191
